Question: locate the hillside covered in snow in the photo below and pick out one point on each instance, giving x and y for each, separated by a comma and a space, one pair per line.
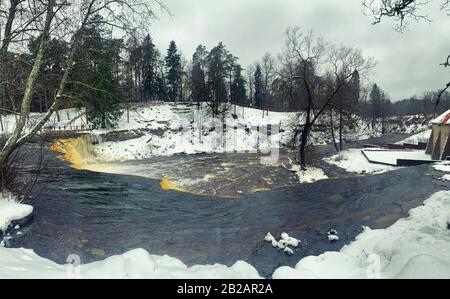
164, 129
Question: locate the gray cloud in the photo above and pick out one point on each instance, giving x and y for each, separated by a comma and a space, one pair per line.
408, 63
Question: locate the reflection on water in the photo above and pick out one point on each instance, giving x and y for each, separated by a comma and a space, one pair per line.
97, 215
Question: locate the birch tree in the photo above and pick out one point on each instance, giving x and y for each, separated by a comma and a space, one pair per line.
124, 17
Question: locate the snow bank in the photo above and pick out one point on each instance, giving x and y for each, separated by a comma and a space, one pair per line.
390, 157
414, 247
353, 160
135, 264
67, 117
310, 175
169, 129
444, 167
11, 210
420, 137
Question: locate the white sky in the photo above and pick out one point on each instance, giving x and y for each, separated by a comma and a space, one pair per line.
408, 63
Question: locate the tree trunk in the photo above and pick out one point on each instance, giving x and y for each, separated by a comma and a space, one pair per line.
332, 131
305, 135
341, 125
6, 41
12, 142
303, 144
7, 35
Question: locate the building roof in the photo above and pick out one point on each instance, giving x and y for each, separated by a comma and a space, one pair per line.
443, 119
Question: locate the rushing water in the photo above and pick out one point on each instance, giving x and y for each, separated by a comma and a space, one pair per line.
96, 215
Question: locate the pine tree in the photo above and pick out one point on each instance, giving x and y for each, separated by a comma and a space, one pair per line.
150, 57
216, 78
135, 62
354, 91
259, 87
200, 92
94, 80
238, 91
375, 100
229, 65
173, 72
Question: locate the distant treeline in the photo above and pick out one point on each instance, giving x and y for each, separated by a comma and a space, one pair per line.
425, 105
108, 72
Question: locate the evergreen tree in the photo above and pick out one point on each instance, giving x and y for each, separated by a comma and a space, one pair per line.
173, 72
200, 92
161, 92
150, 58
259, 87
94, 81
375, 100
216, 78
229, 65
354, 91
135, 67
238, 91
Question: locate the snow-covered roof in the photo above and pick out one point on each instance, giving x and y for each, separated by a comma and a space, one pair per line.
443, 119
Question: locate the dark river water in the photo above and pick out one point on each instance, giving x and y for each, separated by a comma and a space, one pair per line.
96, 215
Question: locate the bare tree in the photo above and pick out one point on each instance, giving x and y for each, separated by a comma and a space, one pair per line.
250, 74
402, 11
314, 54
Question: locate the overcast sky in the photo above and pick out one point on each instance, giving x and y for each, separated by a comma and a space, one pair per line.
408, 63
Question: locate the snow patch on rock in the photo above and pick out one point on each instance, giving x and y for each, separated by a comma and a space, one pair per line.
11, 210
310, 175
284, 242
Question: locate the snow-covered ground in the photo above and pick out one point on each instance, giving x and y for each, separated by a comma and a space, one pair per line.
353, 160
135, 264
390, 157
310, 175
444, 167
169, 129
166, 128
419, 137
414, 247
11, 210
67, 117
